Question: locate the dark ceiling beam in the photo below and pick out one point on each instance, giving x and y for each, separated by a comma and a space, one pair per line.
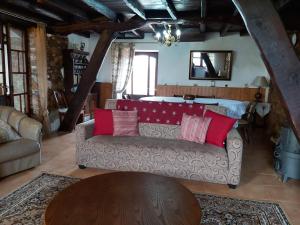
152, 28
170, 8
191, 18
100, 25
34, 8
228, 25
202, 25
203, 8
280, 4
138, 34
191, 35
64, 7
12, 17
101, 8
136, 7
266, 29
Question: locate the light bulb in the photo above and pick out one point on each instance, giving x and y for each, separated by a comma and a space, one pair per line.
178, 32
157, 35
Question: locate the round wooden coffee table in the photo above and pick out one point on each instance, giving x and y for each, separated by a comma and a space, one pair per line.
124, 198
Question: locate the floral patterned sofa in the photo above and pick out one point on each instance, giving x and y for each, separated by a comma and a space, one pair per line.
157, 150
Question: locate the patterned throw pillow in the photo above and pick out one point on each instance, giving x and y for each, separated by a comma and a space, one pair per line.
194, 128
7, 133
125, 123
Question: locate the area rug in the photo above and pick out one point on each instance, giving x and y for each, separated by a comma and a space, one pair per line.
27, 204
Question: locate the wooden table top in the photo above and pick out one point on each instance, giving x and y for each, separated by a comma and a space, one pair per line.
124, 198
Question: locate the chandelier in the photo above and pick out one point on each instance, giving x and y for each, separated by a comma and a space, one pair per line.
167, 38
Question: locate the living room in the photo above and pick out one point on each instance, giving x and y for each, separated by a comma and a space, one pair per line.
149, 112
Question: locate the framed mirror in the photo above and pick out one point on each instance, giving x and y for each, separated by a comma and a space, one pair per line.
210, 65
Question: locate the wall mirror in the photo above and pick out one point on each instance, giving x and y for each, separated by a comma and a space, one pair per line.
210, 65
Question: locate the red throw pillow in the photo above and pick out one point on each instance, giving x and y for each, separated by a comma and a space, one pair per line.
194, 128
103, 122
218, 128
125, 123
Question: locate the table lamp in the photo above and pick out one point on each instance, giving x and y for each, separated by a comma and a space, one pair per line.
259, 81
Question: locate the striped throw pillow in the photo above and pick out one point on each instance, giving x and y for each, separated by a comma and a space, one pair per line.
194, 128
125, 123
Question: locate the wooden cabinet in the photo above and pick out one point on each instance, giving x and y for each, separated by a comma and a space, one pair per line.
75, 63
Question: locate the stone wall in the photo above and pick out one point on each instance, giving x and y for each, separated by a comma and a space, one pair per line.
33, 81
55, 46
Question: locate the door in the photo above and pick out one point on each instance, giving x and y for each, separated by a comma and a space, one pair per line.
144, 76
14, 74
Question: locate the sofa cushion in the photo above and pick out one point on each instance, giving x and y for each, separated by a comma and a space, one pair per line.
146, 150
4, 112
125, 123
218, 128
14, 119
17, 149
7, 133
159, 130
103, 122
194, 128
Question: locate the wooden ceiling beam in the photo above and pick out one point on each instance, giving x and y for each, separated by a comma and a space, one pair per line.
264, 25
280, 4
101, 8
152, 28
228, 25
136, 8
203, 8
64, 7
170, 8
138, 34
99, 25
34, 8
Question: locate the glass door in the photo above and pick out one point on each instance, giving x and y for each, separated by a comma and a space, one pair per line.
13, 68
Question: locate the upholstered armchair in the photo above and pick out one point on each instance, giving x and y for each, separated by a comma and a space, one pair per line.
25, 152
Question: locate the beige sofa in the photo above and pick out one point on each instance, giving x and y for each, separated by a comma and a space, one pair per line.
158, 151
25, 152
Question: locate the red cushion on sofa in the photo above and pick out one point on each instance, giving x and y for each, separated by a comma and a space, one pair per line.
218, 128
103, 122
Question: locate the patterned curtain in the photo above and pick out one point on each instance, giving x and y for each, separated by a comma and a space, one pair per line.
122, 59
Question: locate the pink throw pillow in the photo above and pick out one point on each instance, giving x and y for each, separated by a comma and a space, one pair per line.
194, 128
125, 123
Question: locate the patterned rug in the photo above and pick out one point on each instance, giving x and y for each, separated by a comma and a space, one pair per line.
27, 204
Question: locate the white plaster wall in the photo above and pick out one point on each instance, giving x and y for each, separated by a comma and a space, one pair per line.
173, 62
77, 39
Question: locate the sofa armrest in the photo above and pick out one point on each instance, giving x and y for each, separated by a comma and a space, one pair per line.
84, 130
30, 129
234, 146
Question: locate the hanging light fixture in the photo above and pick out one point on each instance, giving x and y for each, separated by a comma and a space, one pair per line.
167, 37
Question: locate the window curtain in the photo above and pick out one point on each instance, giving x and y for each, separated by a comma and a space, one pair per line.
122, 61
41, 62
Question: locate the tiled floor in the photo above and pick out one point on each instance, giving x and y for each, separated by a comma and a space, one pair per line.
259, 181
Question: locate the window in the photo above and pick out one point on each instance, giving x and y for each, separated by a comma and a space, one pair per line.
13, 68
144, 74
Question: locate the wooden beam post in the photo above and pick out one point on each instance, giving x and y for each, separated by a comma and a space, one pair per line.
266, 28
87, 81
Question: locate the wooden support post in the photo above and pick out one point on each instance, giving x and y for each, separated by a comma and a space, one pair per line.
266, 28
87, 81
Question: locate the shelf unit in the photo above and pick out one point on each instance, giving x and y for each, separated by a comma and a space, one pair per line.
75, 63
